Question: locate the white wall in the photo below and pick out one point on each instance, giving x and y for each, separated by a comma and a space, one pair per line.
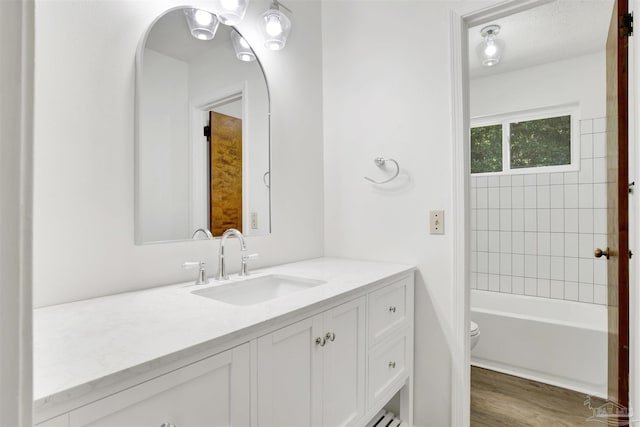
164, 149
387, 91
84, 238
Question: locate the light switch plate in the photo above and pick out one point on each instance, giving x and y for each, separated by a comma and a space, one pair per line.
436, 222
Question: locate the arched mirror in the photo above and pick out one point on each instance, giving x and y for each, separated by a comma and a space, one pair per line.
202, 133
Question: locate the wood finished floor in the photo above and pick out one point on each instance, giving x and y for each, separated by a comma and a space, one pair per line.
503, 400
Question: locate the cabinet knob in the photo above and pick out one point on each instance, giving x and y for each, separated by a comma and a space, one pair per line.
320, 341
392, 309
330, 336
598, 253
392, 364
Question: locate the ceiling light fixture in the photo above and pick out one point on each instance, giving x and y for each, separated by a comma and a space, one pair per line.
275, 26
241, 47
202, 24
230, 12
490, 50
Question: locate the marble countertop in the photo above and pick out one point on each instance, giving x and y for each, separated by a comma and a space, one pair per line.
79, 345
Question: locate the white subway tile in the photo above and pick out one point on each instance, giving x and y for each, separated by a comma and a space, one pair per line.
494, 197
517, 285
494, 282
483, 262
494, 241
556, 267
530, 179
570, 196
585, 273
482, 200
585, 243
557, 289
530, 220
542, 179
505, 284
571, 269
557, 220
570, 220
481, 181
482, 221
517, 265
600, 272
599, 195
544, 267
505, 197
543, 197
544, 243
571, 291
494, 219
600, 294
474, 198
585, 176
505, 264
474, 261
600, 170
585, 220
571, 245
586, 146
585, 196
544, 220
473, 278
556, 197
517, 219
600, 145
599, 241
600, 221
530, 266
585, 293
517, 197
483, 281
544, 288
474, 181
505, 241
530, 243
493, 181
505, 219
586, 126
530, 197
494, 263
483, 241
530, 286
517, 180
557, 178
571, 178
600, 125
557, 244
517, 242
505, 181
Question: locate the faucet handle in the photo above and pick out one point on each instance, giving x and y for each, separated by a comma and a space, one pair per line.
243, 270
202, 273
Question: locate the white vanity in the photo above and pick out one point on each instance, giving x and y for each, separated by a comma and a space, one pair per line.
332, 354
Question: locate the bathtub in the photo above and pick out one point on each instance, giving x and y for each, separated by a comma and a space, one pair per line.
563, 343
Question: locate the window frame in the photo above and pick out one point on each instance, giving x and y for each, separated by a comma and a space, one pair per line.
506, 119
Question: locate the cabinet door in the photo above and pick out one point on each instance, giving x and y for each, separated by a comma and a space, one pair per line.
344, 364
289, 376
212, 392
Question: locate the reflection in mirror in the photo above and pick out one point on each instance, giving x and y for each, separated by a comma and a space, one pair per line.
202, 146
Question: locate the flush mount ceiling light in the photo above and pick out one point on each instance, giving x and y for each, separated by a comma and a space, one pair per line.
241, 47
490, 50
202, 24
230, 12
275, 26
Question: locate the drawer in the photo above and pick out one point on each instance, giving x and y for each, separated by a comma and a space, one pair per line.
387, 365
387, 310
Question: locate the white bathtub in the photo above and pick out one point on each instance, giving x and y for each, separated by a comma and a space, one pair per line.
557, 342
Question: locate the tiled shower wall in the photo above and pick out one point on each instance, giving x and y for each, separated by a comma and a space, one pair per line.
535, 234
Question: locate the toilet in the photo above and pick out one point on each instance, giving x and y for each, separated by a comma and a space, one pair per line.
474, 333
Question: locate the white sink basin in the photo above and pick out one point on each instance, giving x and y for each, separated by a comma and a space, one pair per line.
258, 289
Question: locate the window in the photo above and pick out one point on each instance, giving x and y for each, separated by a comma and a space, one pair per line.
538, 141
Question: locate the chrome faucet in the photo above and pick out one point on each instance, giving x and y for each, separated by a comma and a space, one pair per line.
204, 231
222, 269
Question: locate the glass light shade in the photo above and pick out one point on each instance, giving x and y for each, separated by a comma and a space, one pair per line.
202, 24
490, 51
275, 27
230, 12
241, 47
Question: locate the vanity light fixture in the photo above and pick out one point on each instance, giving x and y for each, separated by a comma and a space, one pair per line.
202, 24
275, 26
230, 12
490, 50
241, 47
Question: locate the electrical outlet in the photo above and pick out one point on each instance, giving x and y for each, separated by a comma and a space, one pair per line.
254, 220
437, 222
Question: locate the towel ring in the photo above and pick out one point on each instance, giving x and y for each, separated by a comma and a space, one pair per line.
380, 162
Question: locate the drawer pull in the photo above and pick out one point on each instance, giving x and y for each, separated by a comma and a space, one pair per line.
392, 365
330, 336
392, 309
320, 341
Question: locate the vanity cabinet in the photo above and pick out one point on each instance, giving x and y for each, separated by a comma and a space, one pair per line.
312, 373
212, 392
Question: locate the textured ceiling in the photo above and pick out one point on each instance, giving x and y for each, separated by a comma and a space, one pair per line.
551, 32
